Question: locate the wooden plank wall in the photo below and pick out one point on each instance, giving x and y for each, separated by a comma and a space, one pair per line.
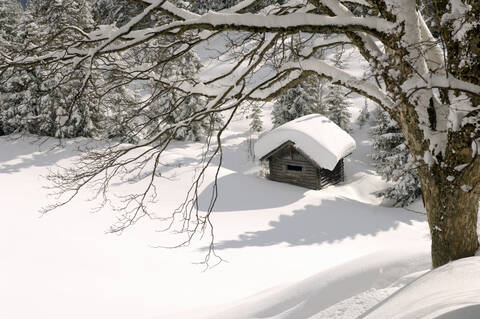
327, 177
310, 177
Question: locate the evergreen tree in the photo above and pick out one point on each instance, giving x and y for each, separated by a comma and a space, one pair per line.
256, 124
120, 12
114, 12
53, 100
364, 115
337, 107
10, 12
336, 102
180, 106
202, 6
120, 118
393, 161
164, 100
296, 102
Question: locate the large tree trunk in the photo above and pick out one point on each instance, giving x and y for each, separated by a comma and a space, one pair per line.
452, 216
450, 186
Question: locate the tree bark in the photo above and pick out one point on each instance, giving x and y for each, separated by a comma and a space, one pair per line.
452, 216
450, 189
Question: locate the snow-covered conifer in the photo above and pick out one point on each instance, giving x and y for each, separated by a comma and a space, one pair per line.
119, 12
256, 124
202, 6
336, 102
10, 12
393, 161
364, 115
337, 107
51, 100
296, 102
170, 106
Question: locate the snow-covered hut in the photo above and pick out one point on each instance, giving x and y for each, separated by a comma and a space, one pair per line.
307, 151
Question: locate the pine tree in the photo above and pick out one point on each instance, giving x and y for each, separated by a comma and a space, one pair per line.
163, 99
393, 161
336, 102
296, 102
120, 12
202, 6
19, 90
364, 115
114, 12
172, 106
47, 100
337, 107
256, 124
10, 12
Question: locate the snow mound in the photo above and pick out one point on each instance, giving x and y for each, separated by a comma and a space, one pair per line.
312, 297
315, 135
451, 291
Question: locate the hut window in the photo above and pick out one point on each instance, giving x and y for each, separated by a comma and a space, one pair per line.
294, 168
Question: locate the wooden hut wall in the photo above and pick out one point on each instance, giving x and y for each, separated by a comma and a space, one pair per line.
289, 166
327, 177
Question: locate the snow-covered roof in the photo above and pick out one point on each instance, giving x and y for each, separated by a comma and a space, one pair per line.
315, 135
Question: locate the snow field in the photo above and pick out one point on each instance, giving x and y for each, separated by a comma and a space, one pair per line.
273, 236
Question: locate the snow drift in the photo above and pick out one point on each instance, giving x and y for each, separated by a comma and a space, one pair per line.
449, 292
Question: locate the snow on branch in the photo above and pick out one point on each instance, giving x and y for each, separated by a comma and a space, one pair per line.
341, 77
289, 23
183, 14
111, 39
340, 10
439, 81
292, 21
171, 9
362, 3
321, 43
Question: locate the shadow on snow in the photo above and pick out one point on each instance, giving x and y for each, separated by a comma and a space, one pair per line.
331, 220
30, 151
237, 192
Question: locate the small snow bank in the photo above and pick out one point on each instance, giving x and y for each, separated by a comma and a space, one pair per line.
449, 292
311, 296
315, 135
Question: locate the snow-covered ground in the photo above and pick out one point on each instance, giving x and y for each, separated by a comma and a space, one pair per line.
449, 292
290, 252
